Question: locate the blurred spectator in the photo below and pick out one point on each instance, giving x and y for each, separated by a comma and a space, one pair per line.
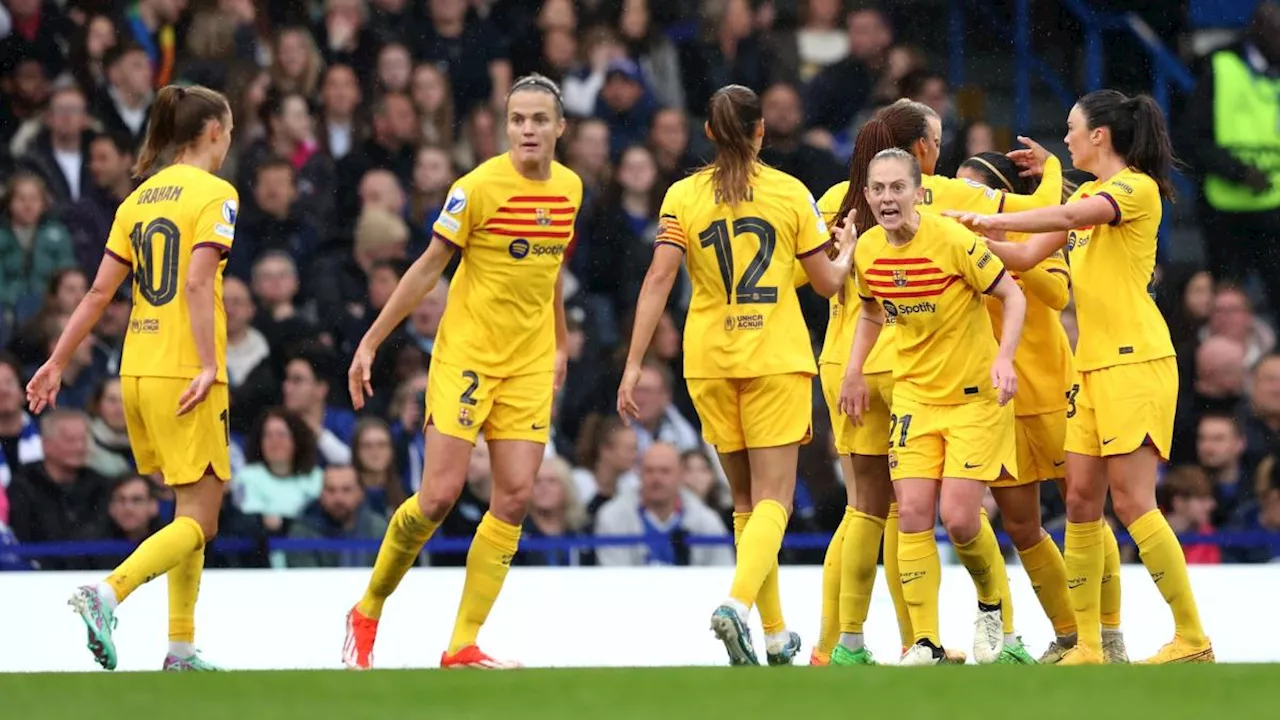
619, 236
528, 40
1220, 452
215, 43
394, 70
275, 222
391, 20
729, 52
296, 63
87, 55
150, 23
373, 457
664, 514
390, 147
606, 456
306, 394
132, 514
57, 147
111, 161
234, 523
1219, 386
554, 512
109, 452
1232, 318
344, 37
1262, 515
470, 50
472, 504
275, 286
26, 90
669, 140
33, 245
1185, 297
20, 442
816, 44
587, 154
79, 377
340, 96
62, 292
837, 93
600, 47
646, 45
433, 101
786, 150
930, 87
291, 136
660, 420
51, 500
282, 476
340, 513
379, 236
246, 346
433, 174
970, 139
1232, 147
124, 104
700, 478
1262, 426
483, 137
1186, 496
39, 31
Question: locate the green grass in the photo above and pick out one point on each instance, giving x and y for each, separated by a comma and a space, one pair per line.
949, 693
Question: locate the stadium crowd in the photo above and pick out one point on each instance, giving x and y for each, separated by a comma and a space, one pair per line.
352, 120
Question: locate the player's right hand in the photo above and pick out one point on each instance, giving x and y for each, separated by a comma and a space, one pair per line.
627, 408
42, 391
358, 382
1032, 159
197, 391
855, 399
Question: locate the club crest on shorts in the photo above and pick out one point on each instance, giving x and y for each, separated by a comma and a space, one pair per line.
464, 417
893, 460
542, 217
899, 278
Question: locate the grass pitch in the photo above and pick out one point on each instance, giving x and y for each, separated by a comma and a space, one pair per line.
944, 693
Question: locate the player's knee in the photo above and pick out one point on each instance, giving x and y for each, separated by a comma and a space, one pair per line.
1024, 532
511, 504
915, 517
1130, 505
962, 523
873, 499
436, 502
1084, 500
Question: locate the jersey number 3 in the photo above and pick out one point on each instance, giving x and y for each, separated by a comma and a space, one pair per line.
748, 290
156, 255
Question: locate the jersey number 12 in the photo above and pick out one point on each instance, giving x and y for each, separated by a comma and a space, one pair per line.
155, 258
748, 290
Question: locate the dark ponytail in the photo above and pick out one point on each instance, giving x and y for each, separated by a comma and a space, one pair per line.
178, 117
732, 117
999, 172
899, 125
1138, 133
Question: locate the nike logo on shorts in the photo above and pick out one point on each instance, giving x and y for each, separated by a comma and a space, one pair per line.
536, 426
970, 466
1107, 441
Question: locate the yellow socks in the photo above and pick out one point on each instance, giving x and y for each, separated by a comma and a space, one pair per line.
891, 576
829, 630
488, 561
981, 557
769, 599
156, 556
407, 532
758, 554
1048, 573
1110, 608
858, 570
1162, 554
1083, 558
921, 578
184, 587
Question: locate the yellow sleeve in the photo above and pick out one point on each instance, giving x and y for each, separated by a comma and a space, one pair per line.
978, 265
670, 228
1049, 192
812, 234
118, 244
829, 203
962, 195
1050, 281
861, 256
461, 208
1132, 195
216, 223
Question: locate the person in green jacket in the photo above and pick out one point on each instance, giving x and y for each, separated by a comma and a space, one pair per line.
33, 245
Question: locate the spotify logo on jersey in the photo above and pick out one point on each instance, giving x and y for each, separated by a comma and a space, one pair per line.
518, 248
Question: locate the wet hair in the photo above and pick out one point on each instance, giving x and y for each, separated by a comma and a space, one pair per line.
899, 125
1138, 133
538, 83
178, 117
732, 116
999, 172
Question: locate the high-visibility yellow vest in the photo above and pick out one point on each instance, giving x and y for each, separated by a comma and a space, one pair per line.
1246, 114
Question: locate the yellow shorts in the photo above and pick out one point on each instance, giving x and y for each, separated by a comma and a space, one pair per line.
973, 441
741, 413
1041, 449
462, 402
183, 448
870, 438
1116, 410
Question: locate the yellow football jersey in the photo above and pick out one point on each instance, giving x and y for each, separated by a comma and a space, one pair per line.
512, 232
744, 318
1112, 270
944, 193
933, 286
1043, 358
156, 229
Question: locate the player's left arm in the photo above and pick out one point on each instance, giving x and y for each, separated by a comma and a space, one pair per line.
668, 255
1040, 162
562, 332
1003, 377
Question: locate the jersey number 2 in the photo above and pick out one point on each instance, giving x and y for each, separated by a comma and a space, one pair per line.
157, 277
748, 290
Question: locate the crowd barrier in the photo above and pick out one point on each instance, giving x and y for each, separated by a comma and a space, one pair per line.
453, 546
574, 617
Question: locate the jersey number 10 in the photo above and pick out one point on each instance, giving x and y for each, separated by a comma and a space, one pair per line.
157, 278
748, 290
